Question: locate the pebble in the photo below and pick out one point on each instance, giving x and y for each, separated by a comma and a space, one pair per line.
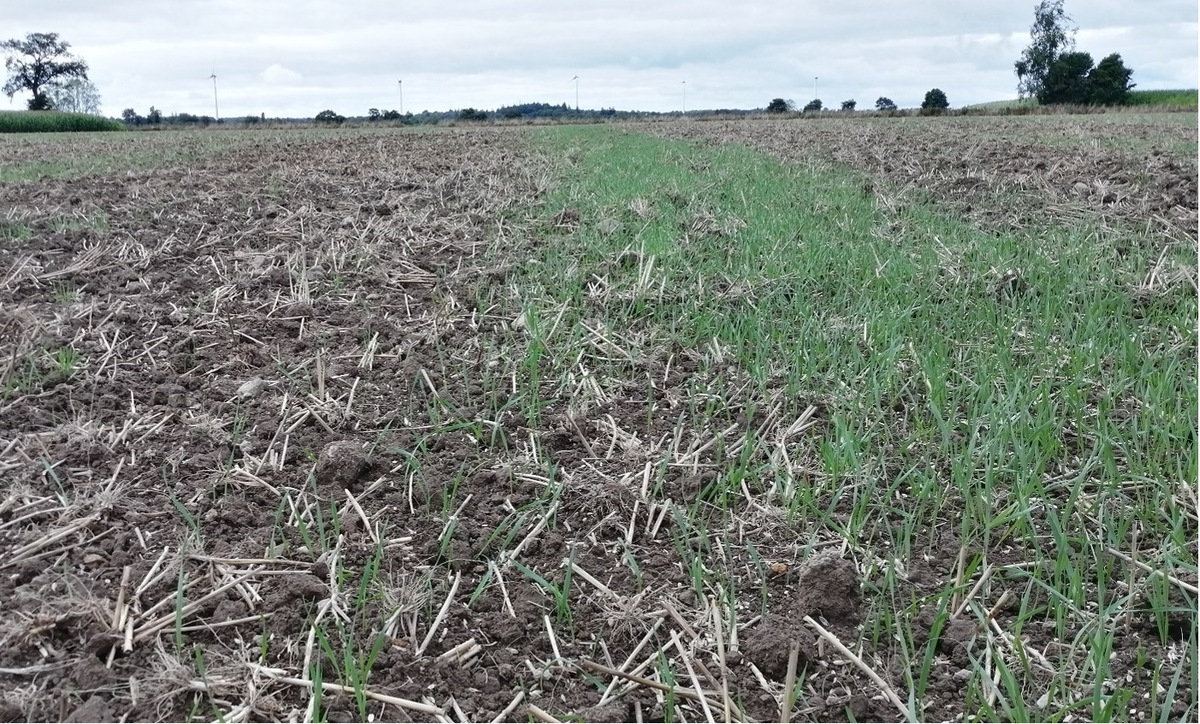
251, 388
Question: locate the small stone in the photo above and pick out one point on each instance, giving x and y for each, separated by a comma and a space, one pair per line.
963, 675
92, 559
251, 388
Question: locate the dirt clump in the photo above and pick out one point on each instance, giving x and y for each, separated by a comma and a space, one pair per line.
768, 645
827, 588
341, 465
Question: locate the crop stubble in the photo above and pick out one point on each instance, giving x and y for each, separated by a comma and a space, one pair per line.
185, 371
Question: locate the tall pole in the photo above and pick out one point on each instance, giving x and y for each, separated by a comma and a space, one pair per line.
576, 79
684, 97
216, 107
400, 83
816, 95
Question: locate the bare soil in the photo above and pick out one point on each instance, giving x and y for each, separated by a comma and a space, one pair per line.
251, 411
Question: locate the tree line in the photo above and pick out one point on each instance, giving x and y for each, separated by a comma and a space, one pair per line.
1050, 70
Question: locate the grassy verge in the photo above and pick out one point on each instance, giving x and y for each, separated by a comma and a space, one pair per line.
1184, 97
54, 122
1030, 399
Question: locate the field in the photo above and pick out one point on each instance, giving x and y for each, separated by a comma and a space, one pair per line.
809, 420
1182, 97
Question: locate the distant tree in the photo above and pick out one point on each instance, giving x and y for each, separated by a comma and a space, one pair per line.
77, 95
1108, 83
935, 100
849, 105
251, 120
883, 103
36, 63
330, 118
131, 117
1051, 35
1067, 80
373, 114
154, 117
813, 105
391, 115
470, 114
780, 105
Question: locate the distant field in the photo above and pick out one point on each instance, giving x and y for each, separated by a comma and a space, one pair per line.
1176, 97
54, 122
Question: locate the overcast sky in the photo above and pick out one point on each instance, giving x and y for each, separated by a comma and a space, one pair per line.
297, 57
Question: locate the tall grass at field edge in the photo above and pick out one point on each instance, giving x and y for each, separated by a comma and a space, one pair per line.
1183, 97
54, 122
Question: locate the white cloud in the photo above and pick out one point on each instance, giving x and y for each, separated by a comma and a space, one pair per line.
276, 74
297, 57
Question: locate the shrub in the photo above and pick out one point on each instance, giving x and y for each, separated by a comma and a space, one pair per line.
330, 118
1108, 83
779, 105
470, 114
935, 101
883, 103
849, 105
813, 105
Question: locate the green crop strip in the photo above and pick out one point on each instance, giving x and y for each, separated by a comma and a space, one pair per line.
1029, 393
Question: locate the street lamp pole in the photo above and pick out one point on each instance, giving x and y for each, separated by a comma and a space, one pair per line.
816, 94
576, 79
400, 84
684, 97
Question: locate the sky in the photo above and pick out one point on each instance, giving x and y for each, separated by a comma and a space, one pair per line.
294, 58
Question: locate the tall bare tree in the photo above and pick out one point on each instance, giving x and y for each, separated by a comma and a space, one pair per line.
77, 95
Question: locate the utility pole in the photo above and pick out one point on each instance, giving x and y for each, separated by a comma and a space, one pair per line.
400, 83
684, 97
576, 79
816, 95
